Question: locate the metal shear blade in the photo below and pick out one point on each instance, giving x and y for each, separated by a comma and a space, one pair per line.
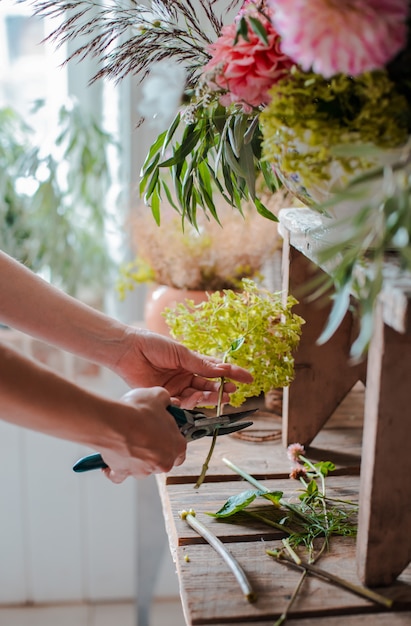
222, 425
193, 425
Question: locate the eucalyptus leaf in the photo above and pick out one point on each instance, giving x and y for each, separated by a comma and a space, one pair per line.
263, 211
339, 309
184, 149
155, 206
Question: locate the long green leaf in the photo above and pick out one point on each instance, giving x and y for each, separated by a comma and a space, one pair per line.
263, 211
155, 206
259, 29
337, 314
183, 150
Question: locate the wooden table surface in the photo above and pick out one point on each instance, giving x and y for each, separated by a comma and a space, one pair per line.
209, 591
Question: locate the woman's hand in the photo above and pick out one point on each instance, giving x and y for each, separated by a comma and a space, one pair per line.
149, 440
150, 359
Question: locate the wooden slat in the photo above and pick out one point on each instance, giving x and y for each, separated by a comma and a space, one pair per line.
211, 595
268, 459
310, 233
339, 442
211, 497
375, 619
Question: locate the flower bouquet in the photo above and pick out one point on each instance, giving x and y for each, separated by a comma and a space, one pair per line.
314, 95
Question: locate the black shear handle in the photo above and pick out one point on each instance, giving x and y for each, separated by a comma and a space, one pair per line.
95, 461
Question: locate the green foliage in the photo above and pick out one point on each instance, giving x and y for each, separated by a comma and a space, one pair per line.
52, 215
355, 264
239, 502
312, 515
217, 153
257, 319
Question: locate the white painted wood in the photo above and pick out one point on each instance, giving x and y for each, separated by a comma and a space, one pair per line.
63, 536
109, 515
55, 532
13, 530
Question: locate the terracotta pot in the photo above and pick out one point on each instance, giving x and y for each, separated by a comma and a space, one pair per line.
161, 297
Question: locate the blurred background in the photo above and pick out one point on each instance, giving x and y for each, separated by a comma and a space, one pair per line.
65, 538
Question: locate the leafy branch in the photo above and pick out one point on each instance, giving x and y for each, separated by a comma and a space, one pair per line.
356, 265
217, 153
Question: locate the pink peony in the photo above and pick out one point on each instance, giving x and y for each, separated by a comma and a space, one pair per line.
245, 70
332, 36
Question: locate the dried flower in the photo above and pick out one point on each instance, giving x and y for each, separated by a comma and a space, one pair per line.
294, 451
298, 472
212, 257
329, 36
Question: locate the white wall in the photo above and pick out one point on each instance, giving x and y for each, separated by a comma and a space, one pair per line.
66, 536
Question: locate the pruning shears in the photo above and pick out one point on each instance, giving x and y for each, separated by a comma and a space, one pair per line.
193, 425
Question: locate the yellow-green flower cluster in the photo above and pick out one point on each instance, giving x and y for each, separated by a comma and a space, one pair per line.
256, 320
309, 116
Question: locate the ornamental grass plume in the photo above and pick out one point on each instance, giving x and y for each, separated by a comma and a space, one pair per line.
331, 37
211, 257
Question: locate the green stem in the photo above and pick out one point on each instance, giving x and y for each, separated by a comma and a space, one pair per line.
203, 531
204, 468
363, 592
246, 476
253, 481
284, 616
269, 522
206, 463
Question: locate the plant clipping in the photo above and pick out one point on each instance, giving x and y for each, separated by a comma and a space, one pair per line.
256, 322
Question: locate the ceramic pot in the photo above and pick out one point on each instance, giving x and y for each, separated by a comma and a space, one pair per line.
161, 297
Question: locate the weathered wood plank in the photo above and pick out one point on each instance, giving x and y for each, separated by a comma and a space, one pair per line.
269, 459
211, 497
310, 233
375, 619
384, 542
211, 595
323, 373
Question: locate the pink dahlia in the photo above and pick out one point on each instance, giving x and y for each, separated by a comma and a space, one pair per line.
247, 69
331, 36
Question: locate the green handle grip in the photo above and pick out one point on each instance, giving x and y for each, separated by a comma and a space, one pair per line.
95, 461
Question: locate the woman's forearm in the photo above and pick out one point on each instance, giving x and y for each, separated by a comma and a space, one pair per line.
31, 305
34, 397
136, 435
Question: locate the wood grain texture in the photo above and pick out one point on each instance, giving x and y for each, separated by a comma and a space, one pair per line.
340, 442
375, 619
323, 373
210, 593
384, 543
211, 497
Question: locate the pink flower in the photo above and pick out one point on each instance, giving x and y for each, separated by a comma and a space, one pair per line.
246, 70
333, 36
294, 451
298, 472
